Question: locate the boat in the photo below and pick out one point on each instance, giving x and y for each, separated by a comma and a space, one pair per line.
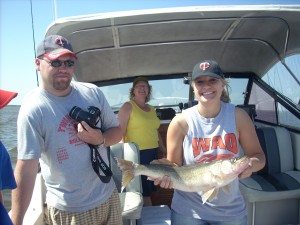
257, 47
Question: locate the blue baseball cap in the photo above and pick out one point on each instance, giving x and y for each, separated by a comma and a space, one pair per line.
55, 46
207, 68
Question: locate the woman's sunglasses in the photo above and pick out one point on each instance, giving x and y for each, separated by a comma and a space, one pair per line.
58, 63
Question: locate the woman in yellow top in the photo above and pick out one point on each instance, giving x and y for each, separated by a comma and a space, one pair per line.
140, 125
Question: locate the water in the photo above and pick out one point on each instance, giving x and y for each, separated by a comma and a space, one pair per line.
8, 136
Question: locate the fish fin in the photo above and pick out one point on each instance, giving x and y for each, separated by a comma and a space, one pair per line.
210, 195
163, 161
214, 194
127, 168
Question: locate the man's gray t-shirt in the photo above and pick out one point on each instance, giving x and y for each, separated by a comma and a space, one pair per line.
47, 132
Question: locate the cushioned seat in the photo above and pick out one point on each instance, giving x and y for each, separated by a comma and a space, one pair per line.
131, 198
162, 215
131, 203
273, 194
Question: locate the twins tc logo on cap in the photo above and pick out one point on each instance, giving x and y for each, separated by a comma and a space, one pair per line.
60, 41
204, 66
207, 68
55, 46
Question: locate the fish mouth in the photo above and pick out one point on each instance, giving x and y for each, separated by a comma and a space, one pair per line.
240, 163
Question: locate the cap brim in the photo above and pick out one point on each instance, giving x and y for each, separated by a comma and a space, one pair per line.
6, 97
139, 79
55, 54
214, 75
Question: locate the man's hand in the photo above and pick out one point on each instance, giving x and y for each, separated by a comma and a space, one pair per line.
89, 135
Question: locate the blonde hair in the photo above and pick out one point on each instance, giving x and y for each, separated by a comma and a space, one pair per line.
225, 93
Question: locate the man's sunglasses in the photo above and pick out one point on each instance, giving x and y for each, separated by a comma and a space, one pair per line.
58, 63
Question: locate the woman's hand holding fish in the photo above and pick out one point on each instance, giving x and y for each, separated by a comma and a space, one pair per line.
246, 173
249, 170
164, 182
253, 166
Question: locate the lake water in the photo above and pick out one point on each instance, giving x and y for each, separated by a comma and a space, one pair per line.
8, 136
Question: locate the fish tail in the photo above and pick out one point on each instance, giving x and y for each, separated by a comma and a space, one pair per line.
127, 168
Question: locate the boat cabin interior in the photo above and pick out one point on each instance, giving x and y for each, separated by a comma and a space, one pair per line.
257, 48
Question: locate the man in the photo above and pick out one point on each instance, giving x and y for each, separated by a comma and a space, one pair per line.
62, 145
7, 179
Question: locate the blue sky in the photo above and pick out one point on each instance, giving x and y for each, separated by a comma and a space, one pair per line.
17, 70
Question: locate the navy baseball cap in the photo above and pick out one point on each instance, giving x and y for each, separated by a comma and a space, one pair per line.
207, 68
55, 46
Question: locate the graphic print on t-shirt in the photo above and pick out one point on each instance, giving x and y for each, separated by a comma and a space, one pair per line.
214, 148
69, 126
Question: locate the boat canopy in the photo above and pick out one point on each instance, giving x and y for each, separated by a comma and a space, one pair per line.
241, 39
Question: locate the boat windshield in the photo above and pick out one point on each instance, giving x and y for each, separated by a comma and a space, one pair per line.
168, 93
171, 91
165, 93
282, 81
279, 78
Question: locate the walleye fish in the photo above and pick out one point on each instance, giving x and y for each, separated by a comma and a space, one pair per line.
203, 177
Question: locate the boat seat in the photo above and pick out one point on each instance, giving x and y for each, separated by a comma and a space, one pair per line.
162, 215
131, 197
273, 193
37, 206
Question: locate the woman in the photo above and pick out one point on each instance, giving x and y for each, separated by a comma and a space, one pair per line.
140, 125
201, 134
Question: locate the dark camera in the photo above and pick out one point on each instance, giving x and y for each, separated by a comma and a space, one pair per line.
91, 117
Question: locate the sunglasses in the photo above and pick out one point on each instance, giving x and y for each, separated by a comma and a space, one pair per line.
58, 63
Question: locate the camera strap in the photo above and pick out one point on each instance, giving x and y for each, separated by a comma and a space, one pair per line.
99, 163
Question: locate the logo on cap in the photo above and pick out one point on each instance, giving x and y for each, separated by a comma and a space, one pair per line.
204, 65
60, 41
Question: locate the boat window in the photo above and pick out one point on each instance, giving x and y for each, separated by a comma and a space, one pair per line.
265, 104
116, 94
169, 93
282, 81
279, 78
165, 93
237, 90
286, 118
266, 109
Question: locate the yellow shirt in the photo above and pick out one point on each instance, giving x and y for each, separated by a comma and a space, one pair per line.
142, 127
